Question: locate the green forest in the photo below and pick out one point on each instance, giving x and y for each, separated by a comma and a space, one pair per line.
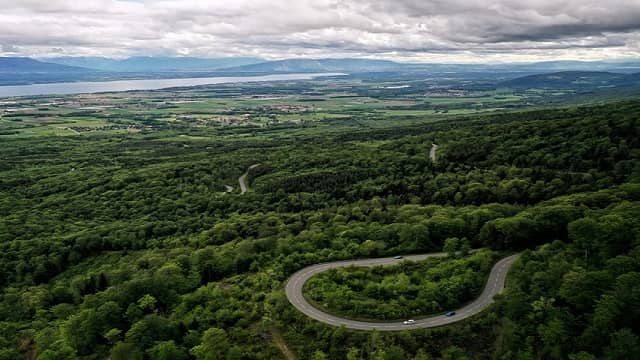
127, 245
404, 291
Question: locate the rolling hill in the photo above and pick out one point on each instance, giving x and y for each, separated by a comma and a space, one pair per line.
573, 79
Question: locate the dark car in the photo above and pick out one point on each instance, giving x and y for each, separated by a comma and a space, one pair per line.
450, 313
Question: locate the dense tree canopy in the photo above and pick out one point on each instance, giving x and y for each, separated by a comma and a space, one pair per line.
404, 291
127, 246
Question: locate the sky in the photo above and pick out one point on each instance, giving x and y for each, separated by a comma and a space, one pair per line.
459, 31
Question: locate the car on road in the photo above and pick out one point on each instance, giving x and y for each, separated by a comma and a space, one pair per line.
450, 313
398, 257
409, 322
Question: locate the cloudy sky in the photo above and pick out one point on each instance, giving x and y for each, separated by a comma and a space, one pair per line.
406, 30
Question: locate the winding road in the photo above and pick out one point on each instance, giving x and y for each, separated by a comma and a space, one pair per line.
432, 152
294, 286
243, 179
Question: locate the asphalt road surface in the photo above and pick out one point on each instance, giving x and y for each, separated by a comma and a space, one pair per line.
243, 179
293, 290
432, 152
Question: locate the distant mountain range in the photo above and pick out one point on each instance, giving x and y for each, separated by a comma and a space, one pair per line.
154, 64
321, 65
20, 70
12, 65
349, 65
367, 65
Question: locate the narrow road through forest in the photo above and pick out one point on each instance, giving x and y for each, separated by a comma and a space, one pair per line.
432, 152
294, 286
243, 179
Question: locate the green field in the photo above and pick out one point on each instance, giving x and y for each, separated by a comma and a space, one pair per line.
333, 102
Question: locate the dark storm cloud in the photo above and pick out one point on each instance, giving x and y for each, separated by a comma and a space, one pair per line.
514, 20
412, 29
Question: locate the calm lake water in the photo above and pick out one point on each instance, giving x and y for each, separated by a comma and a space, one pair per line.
152, 84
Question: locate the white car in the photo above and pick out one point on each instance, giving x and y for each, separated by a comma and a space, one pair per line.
409, 322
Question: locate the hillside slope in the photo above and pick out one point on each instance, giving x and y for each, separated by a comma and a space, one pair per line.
572, 79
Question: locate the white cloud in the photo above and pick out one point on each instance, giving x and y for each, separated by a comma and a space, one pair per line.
430, 30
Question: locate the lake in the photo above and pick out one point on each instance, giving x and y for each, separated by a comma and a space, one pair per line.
85, 87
